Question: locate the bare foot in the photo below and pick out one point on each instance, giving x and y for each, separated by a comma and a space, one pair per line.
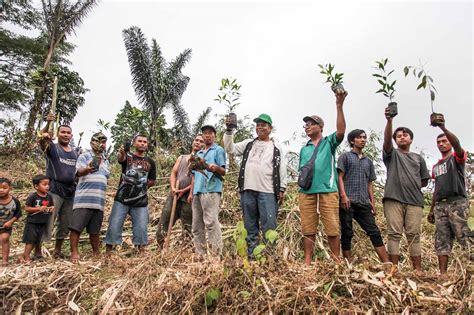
59, 255
74, 258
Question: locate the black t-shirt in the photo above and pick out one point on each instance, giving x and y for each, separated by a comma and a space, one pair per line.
136, 171
449, 176
34, 200
61, 169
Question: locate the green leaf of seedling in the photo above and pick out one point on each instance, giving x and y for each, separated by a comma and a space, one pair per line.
257, 251
390, 72
420, 74
212, 296
376, 75
381, 83
423, 80
385, 61
393, 84
386, 95
271, 236
419, 86
241, 246
434, 88
380, 91
244, 294
430, 78
432, 94
405, 70
320, 66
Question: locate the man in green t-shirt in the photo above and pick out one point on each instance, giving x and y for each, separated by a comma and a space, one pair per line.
322, 198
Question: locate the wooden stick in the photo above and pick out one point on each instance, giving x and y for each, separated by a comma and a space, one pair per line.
170, 225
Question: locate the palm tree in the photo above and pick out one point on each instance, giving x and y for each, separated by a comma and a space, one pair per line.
60, 18
158, 84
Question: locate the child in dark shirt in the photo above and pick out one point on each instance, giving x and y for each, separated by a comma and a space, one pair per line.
39, 206
10, 211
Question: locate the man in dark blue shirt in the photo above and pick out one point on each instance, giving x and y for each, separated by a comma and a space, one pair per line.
356, 174
61, 160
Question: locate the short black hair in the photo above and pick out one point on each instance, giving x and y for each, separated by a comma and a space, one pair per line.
64, 126
441, 135
38, 178
402, 129
354, 134
142, 135
5, 180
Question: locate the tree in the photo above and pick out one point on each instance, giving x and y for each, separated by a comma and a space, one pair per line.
158, 84
129, 122
60, 18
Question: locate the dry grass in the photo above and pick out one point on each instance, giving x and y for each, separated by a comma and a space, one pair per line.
178, 281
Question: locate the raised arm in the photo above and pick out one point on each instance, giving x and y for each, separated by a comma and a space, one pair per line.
340, 120
451, 137
46, 136
387, 135
234, 148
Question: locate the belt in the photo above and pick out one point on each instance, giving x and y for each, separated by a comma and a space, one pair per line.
450, 199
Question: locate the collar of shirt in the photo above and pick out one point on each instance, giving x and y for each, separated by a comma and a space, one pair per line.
357, 154
212, 147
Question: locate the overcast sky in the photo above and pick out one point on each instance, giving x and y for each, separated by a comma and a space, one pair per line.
273, 50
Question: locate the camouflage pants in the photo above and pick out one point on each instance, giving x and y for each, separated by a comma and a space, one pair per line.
451, 222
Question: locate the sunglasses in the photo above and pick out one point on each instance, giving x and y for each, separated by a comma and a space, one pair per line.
309, 124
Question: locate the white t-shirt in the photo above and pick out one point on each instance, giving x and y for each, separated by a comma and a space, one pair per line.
259, 167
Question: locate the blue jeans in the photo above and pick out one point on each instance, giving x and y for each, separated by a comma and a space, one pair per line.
117, 218
258, 206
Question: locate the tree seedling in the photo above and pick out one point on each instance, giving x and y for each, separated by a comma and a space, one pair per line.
387, 87
229, 95
335, 79
425, 83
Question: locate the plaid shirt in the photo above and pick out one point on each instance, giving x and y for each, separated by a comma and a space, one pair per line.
357, 175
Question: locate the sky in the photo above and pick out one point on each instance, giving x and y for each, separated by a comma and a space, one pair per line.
273, 49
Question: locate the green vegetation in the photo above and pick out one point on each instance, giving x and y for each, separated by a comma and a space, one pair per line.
387, 87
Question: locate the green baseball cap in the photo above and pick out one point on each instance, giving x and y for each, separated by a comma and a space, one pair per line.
265, 118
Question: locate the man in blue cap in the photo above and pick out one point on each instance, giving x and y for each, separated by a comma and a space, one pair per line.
262, 178
205, 195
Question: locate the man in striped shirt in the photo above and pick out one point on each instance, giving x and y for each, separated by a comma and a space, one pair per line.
92, 168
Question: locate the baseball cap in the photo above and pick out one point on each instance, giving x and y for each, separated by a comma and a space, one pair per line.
208, 127
265, 118
98, 136
318, 120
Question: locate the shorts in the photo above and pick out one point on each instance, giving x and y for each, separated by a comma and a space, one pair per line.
9, 231
315, 206
86, 218
33, 233
451, 223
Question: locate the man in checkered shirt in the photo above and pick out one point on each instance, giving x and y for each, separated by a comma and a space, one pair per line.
356, 174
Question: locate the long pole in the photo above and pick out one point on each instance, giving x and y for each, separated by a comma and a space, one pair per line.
170, 225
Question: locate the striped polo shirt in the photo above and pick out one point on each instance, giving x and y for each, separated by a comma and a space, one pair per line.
90, 191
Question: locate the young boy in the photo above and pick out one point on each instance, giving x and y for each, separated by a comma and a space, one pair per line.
39, 206
10, 211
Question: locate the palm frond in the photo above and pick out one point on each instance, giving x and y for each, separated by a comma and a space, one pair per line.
201, 120
76, 14
141, 69
179, 62
181, 125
